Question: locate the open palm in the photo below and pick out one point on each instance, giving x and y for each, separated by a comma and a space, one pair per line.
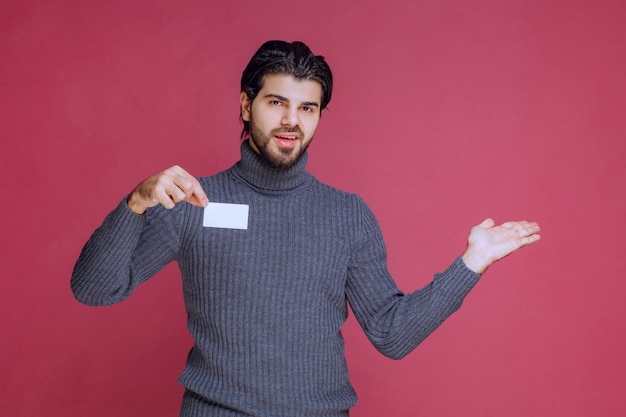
488, 243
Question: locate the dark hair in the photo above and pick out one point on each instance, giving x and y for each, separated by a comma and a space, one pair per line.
280, 57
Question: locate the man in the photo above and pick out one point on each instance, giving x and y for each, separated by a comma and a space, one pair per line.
267, 282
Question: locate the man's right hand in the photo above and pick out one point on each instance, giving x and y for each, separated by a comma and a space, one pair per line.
167, 188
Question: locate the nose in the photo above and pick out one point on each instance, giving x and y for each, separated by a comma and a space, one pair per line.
290, 117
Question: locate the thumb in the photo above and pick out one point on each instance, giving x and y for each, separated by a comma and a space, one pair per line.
488, 223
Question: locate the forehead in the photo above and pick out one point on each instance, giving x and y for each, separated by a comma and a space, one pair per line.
289, 87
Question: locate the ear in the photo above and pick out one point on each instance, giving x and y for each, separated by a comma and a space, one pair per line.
245, 106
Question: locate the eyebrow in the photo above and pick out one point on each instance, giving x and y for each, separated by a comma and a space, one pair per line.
285, 99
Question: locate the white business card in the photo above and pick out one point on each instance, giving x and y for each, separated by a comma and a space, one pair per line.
226, 216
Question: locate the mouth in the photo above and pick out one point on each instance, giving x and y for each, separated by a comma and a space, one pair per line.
287, 140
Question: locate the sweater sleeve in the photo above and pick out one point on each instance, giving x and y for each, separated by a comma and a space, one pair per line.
395, 322
123, 252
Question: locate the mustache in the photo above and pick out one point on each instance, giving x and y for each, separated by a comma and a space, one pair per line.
280, 130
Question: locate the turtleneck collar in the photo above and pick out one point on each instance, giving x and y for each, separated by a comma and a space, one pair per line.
255, 171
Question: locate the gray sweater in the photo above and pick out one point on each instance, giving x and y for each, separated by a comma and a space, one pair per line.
266, 305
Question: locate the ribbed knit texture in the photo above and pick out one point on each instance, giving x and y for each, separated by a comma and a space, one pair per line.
265, 305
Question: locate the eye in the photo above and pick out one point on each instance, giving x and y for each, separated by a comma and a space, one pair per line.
275, 103
307, 108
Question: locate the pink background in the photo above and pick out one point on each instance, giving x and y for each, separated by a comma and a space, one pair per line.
444, 112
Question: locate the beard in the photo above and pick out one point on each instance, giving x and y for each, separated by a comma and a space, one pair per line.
282, 158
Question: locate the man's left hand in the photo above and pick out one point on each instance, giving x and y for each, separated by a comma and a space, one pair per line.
488, 243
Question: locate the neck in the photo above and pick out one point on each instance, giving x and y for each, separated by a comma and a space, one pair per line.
257, 172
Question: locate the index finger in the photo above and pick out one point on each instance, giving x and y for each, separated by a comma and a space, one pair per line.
198, 197
193, 192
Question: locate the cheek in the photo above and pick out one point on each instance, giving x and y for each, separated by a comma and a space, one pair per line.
311, 127
266, 119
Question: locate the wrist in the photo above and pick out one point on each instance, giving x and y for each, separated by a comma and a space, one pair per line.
475, 261
134, 205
